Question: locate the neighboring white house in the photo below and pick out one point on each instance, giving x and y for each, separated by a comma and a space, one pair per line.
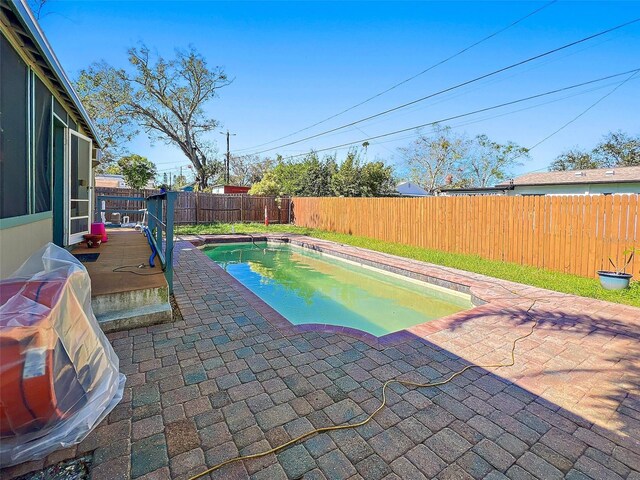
408, 189
604, 181
48, 144
597, 181
110, 180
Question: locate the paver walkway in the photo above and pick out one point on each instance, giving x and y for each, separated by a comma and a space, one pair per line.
234, 377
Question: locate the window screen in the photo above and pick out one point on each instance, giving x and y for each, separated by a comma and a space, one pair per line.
14, 172
42, 147
59, 110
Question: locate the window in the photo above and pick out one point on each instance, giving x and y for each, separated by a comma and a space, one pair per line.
42, 147
25, 137
14, 159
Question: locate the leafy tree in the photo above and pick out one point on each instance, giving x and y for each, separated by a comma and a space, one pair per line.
431, 158
268, 186
377, 180
166, 98
575, 159
289, 176
346, 182
137, 170
112, 169
180, 181
488, 162
618, 149
317, 176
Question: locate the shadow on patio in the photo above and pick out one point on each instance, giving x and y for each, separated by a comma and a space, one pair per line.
225, 381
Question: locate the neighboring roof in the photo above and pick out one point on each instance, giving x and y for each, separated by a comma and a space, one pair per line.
22, 22
409, 188
477, 189
114, 180
108, 182
572, 177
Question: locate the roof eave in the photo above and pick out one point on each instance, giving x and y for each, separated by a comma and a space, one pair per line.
600, 182
26, 16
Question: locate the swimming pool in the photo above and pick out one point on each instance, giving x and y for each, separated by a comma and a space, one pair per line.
310, 287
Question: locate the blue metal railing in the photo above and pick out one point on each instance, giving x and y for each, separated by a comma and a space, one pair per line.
159, 229
160, 209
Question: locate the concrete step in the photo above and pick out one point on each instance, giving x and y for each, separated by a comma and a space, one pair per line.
141, 316
130, 299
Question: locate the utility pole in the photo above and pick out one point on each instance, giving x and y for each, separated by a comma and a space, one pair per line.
228, 161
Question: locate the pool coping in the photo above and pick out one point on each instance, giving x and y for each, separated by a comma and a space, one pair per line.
489, 295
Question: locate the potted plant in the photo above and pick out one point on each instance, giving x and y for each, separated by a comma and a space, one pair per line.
618, 278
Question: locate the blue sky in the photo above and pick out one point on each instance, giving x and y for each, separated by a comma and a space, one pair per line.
295, 63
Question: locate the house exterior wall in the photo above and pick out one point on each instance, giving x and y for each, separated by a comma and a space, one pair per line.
223, 189
19, 242
26, 231
581, 189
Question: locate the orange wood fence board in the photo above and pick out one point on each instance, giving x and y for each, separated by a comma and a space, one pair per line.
572, 234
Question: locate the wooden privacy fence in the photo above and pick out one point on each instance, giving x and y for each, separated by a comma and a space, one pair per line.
198, 207
571, 234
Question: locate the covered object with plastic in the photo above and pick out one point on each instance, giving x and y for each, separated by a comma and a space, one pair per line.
58, 372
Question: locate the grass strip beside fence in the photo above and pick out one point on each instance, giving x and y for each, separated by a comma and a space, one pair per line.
560, 282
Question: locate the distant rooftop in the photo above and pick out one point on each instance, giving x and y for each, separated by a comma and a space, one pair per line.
566, 177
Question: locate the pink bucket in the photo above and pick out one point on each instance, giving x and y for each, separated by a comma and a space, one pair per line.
98, 228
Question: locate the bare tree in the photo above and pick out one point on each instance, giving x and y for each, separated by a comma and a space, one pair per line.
431, 158
488, 161
249, 169
99, 89
166, 98
36, 7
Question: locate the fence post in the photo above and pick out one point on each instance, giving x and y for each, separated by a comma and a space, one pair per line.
197, 207
242, 208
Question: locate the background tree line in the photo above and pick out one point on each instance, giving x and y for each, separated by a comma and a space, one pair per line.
616, 149
322, 177
444, 158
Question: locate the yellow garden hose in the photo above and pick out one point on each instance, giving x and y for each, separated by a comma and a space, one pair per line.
406, 383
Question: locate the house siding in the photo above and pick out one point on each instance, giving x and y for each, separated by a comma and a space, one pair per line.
19, 242
581, 189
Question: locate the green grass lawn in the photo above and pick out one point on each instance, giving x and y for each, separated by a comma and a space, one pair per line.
560, 282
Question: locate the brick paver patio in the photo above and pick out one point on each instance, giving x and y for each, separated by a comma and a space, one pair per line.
235, 377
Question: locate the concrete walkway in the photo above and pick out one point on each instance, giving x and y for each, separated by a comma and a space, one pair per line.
235, 377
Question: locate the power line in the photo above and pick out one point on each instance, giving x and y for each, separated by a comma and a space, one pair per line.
413, 77
474, 112
581, 114
472, 122
616, 87
459, 85
633, 74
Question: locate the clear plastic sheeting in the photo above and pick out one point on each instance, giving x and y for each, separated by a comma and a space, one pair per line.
58, 372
